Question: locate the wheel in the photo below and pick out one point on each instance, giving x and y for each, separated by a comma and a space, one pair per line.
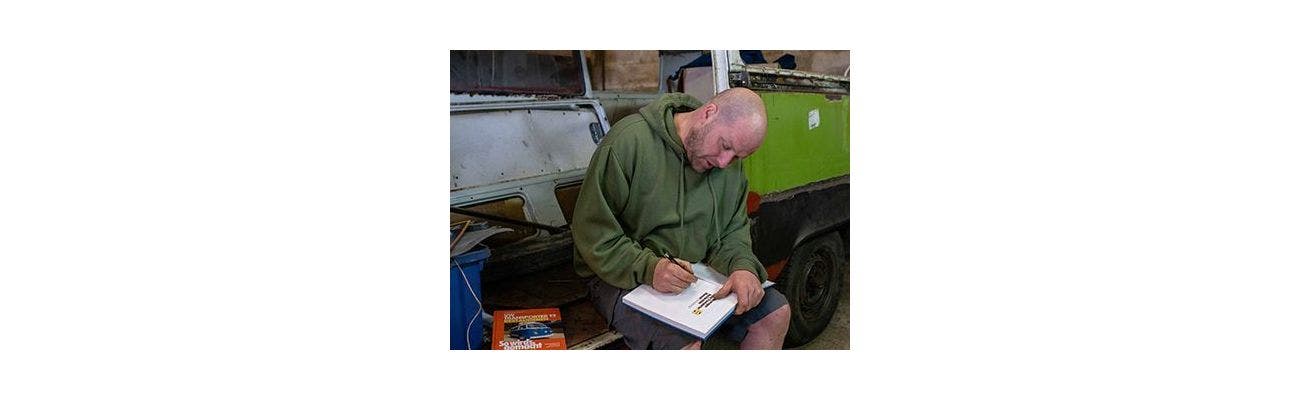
812, 282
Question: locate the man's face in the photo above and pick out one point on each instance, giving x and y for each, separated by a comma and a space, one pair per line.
716, 145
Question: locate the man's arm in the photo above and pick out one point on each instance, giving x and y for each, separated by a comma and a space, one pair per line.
735, 256
597, 234
735, 251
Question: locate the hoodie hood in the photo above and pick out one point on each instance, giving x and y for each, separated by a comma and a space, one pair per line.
659, 115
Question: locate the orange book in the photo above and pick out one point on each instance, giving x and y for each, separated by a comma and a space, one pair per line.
535, 329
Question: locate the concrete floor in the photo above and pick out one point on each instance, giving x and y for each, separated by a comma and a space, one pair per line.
835, 337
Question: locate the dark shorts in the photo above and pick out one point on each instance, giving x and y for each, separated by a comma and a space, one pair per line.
642, 332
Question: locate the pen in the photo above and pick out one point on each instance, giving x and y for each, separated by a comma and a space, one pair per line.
674, 260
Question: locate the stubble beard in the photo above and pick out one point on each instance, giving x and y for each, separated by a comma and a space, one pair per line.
694, 142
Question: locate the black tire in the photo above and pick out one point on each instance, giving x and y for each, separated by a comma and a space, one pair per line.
812, 282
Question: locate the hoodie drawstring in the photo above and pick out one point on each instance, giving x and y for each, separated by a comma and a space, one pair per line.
713, 213
681, 214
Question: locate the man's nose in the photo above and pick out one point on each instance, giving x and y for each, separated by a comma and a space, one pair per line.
725, 161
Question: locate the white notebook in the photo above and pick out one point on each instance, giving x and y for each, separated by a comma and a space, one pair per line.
694, 310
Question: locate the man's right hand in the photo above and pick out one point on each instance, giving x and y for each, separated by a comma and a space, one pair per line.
672, 277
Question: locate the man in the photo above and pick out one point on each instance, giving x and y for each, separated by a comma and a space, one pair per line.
667, 181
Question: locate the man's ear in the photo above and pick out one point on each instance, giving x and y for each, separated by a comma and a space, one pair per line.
710, 111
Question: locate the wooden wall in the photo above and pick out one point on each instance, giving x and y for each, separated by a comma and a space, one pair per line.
624, 70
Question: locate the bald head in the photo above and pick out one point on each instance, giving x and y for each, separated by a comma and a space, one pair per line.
729, 127
743, 110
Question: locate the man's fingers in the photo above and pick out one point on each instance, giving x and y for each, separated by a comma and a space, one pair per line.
670, 278
677, 282
669, 284
747, 299
724, 291
682, 273
742, 301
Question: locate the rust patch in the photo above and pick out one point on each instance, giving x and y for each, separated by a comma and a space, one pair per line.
774, 270
752, 201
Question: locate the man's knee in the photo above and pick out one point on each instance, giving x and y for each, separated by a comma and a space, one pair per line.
777, 319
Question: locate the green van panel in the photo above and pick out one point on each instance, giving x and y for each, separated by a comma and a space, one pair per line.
795, 154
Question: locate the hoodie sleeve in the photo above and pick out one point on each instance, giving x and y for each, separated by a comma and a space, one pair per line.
735, 250
598, 236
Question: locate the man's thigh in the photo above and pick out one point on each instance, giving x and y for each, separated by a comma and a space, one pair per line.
639, 331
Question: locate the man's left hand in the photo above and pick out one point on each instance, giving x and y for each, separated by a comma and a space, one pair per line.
747, 288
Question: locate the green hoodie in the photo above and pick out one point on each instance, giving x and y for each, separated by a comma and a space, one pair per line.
641, 198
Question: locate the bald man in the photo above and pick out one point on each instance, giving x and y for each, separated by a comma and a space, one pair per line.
668, 180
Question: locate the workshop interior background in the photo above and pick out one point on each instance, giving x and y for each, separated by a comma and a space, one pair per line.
525, 177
